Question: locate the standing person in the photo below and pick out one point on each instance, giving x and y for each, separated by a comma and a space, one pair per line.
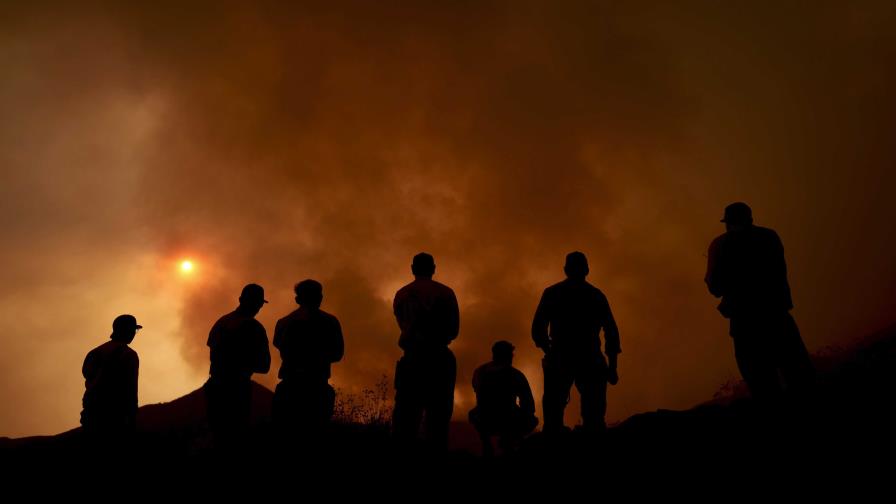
566, 327
110, 397
238, 346
747, 270
310, 341
429, 320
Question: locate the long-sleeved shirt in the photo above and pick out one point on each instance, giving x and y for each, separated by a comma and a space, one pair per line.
427, 315
309, 340
575, 312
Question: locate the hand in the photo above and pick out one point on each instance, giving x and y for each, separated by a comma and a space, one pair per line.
613, 376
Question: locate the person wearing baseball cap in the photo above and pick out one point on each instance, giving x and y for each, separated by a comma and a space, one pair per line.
238, 347
109, 414
747, 270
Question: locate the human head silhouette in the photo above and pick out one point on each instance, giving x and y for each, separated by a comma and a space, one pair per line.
309, 293
576, 266
737, 216
423, 265
502, 352
124, 328
252, 298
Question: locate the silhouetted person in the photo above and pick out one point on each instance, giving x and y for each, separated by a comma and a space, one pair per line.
504, 403
239, 347
746, 268
428, 316
576, 311
110, 398
309, 340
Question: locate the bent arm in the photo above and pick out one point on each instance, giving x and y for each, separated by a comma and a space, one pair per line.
540, 324
452, 318
612, 346
714, 278
132, 382
527, 401
263, 353
337, 350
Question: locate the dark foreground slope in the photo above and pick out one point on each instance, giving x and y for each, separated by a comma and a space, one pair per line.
847, 427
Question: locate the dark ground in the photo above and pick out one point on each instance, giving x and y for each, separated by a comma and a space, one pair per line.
843, 434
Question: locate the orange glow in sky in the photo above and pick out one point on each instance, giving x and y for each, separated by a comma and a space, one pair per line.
186, 266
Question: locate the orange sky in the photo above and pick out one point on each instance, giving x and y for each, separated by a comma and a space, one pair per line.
272, 144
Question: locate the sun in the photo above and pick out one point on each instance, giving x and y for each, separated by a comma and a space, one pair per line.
186, 266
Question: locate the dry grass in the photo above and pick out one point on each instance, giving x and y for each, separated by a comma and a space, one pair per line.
371, 406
